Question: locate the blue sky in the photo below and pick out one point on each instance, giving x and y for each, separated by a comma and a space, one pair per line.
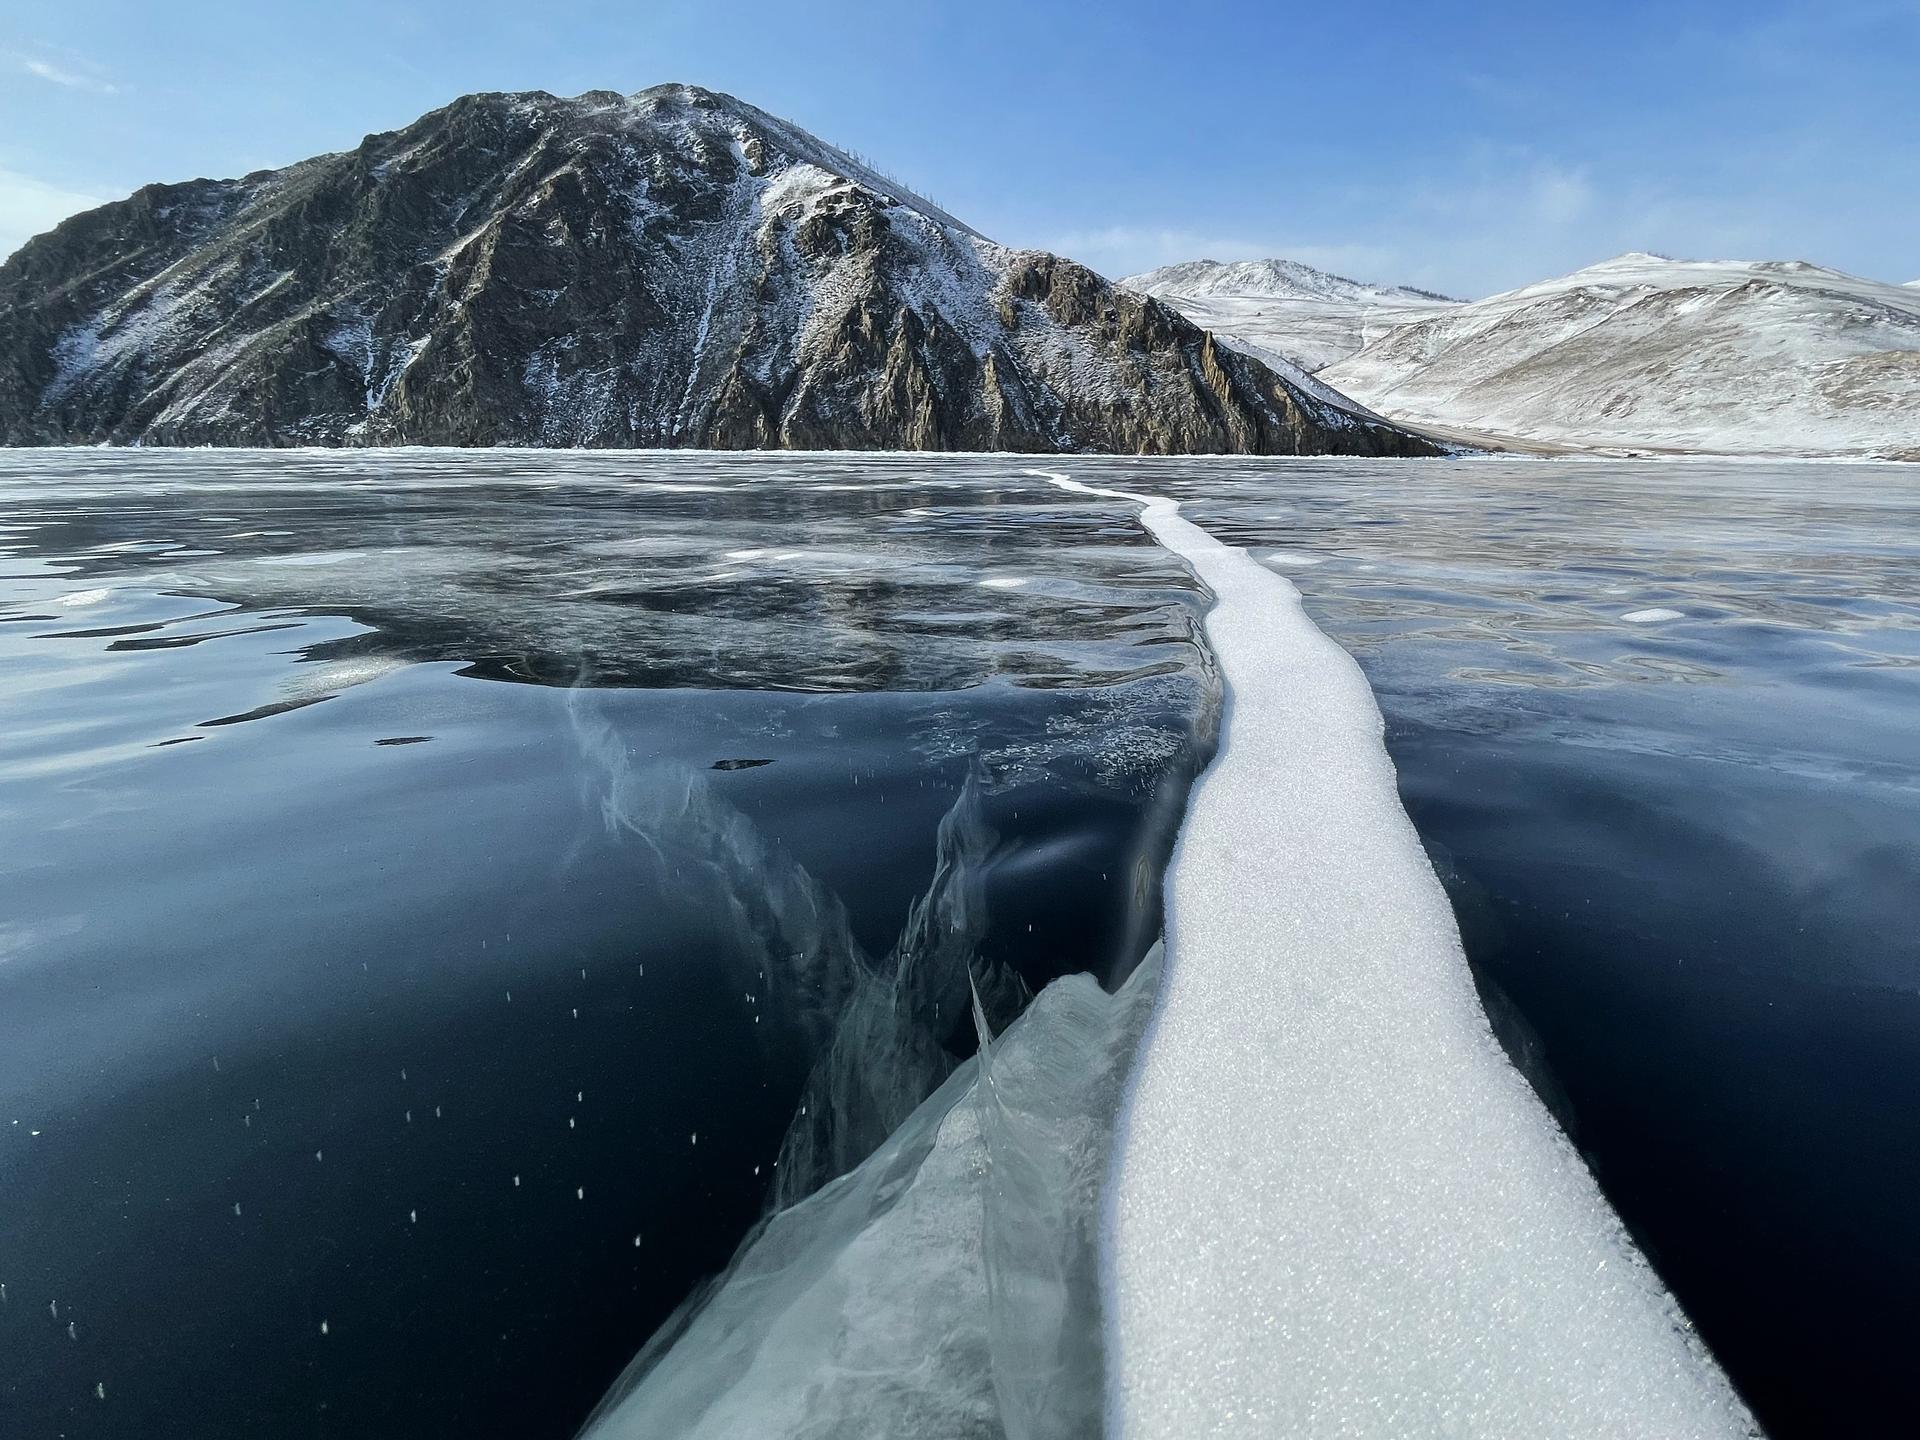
1465, 148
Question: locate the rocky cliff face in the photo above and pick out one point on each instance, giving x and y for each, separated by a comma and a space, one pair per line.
674, 268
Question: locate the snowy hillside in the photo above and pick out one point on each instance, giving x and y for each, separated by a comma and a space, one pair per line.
672, 268
1646, 353
1283, 310
1269, 279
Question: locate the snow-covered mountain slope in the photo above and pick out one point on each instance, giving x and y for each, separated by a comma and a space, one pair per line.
1271, 280
1645, 353
1283, 310
670, 268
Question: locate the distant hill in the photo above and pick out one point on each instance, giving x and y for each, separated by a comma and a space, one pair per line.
1643, 352
1640, 353
1281, 310
1269, 279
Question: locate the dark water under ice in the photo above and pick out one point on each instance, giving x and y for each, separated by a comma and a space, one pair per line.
407, 861
427, 887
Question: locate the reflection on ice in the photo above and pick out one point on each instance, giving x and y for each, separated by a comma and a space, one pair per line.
929, 1264
901, 1021
877, 1036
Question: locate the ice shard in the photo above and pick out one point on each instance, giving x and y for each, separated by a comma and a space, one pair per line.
947, 1286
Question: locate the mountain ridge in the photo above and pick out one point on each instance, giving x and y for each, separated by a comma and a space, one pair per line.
1645, 352
671, 268
1639, 352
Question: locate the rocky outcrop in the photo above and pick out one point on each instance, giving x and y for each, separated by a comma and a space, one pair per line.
673, 268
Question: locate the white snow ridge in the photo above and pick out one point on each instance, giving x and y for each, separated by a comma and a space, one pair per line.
1336, 1209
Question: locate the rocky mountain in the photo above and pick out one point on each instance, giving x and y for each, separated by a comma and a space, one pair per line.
1647, 353
672, 268
1283, 312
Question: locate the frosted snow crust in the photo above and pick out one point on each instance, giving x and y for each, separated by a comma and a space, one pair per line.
1336, 1208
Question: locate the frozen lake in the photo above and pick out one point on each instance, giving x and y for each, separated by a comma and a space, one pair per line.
404, 858
1657, 726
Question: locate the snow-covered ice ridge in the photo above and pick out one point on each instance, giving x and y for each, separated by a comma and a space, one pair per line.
1336, 1208
1315, 1200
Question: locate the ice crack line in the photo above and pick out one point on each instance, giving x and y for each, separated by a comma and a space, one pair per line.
1334, 1207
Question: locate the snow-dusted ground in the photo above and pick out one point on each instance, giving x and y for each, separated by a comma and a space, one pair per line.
1336, 1208
1644, 353
1281, 310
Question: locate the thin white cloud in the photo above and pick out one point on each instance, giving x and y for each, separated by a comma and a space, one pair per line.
71, 79
29, 206
1560, 197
